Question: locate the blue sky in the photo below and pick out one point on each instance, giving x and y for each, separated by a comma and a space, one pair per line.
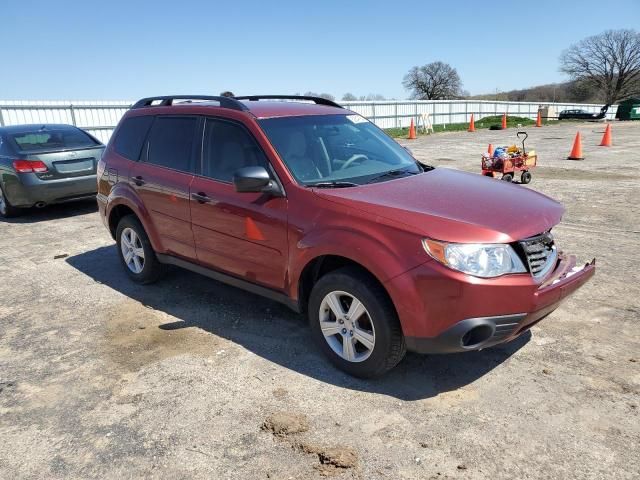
116, 49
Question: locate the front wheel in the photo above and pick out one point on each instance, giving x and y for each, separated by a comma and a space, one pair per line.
507, 177
355, 324
525, 177
135, 251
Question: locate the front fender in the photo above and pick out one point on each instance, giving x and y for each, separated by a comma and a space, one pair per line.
369, 248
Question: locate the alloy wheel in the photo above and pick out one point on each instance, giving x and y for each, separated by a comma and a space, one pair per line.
347, 326
132, 250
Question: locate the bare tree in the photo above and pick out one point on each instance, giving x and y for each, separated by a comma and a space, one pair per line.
610, 62
435, 81
328, 96
350, 97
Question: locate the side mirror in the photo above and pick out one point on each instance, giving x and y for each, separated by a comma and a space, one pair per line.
255, 180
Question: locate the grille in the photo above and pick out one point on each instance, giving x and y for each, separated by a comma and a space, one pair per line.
540, 252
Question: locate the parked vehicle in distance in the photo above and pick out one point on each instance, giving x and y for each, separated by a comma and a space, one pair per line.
578, 114
314, 206
45, 164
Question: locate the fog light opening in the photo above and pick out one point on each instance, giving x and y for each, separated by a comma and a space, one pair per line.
477, 336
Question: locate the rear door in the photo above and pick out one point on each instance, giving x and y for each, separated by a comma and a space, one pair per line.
244, 234
162, 179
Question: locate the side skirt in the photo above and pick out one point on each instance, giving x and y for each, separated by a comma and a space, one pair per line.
231, 280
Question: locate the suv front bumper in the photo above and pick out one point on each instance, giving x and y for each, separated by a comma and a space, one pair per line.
461, 313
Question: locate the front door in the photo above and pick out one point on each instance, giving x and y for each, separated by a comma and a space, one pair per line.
163, 177
243, 234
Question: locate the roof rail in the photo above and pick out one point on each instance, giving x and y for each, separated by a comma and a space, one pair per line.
317, 100
165, 101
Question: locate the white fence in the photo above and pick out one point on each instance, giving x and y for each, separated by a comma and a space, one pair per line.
395, 114
100, 117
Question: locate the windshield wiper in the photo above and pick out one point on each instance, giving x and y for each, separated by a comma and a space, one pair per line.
394, 173
332, 184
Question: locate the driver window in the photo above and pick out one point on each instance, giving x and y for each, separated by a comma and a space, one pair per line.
227, 148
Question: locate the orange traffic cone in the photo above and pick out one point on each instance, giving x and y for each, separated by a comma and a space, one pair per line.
412, 131
539, 119
606, 138
504, 120
490, 150
472, 124
576, 151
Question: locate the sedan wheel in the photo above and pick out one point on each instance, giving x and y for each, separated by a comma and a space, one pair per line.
347, 326
6, 209
132, 250
3, 204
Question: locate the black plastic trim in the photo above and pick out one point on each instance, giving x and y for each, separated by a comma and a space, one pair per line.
231, 280
167, 100
317, 100
450, 341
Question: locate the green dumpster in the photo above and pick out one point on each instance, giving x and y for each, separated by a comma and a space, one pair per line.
629, 109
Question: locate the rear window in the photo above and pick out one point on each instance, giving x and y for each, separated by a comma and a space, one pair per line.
171, 143
52, 139
131, 135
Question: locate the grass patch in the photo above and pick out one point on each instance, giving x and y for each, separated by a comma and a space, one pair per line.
485, 122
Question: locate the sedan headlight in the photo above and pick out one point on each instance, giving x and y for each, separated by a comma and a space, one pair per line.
484, 260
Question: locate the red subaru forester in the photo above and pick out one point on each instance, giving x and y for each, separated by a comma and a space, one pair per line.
312, 205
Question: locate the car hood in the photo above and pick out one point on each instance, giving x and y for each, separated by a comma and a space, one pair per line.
454, 206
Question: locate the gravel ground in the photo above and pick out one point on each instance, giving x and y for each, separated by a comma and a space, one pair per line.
188, 378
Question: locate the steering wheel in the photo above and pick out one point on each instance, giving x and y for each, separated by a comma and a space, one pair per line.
354, 158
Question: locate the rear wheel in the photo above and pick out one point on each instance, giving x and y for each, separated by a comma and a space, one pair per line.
6, 209
525, 177
135, 251
507, 177
355, 324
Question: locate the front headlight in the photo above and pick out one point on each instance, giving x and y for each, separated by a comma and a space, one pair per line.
484, 260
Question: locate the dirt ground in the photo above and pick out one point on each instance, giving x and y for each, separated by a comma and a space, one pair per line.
188, 378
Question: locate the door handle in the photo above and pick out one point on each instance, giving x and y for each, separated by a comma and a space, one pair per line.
139, 181
201, 197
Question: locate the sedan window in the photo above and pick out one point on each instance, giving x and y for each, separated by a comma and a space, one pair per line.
46, 138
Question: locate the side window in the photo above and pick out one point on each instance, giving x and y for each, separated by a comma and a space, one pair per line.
228, 147
171, 142
131, 135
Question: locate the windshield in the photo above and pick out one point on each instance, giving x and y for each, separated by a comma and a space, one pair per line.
52, 139
331, 150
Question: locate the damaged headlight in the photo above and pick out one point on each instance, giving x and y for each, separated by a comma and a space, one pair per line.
486, 260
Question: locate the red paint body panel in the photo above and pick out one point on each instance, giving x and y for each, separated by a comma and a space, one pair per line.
455, 206
270, 240
165, 194
221, 236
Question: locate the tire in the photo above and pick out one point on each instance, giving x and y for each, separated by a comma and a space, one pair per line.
6, 209
525, 177
495, 127
147, 268
507, 177
377, 324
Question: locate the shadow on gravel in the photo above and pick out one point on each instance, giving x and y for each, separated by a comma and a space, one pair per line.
54, 212
275, 333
